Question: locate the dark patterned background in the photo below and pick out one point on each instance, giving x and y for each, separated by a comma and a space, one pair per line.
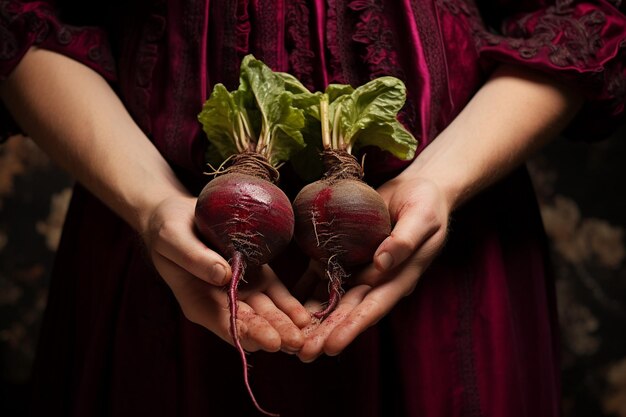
583, 202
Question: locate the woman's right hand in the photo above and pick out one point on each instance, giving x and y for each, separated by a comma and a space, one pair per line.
269, 317
106, 151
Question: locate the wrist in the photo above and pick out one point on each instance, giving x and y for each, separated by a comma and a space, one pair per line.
144, 214
451, 181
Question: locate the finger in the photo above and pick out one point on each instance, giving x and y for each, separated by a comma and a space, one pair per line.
207, 306
316, 302
264, 279
200, 302
371, 275
291, 336
384, 296
287, 303
283, 299
317, 334
255, 332
375, 305
415, 225
177, 242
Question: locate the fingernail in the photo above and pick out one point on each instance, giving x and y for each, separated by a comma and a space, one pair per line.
218, 275
307, 360
385, 261
289, 350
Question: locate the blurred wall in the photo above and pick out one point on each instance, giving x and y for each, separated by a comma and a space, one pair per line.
581, 190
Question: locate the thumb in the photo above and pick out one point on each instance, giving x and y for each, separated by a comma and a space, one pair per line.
414, 226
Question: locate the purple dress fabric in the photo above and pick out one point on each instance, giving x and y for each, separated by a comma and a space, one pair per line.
478, 336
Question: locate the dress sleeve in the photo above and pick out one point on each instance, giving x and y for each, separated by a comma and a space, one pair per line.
583, 42
24, 24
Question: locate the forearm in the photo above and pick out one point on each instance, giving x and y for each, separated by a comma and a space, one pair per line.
74, 115
515, 113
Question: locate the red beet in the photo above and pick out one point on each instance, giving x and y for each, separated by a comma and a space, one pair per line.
242, 213
247, 219
340, 220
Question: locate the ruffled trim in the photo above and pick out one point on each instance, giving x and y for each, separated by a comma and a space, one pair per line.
374, 32
242, 29
298, 42
360, 35
333, 42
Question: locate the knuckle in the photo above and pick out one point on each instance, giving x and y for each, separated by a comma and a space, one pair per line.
372, 307
405, 207
410, 290
404, 242
430, 215
165, 231
195, 257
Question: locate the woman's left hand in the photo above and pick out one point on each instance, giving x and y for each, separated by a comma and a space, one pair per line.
420, 212
509, 118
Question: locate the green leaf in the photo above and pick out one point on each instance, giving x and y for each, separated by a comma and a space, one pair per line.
308, 103
292, 84
334, 91
378, 101
219, 117
307, 163
286, 135
281, 122
389, 136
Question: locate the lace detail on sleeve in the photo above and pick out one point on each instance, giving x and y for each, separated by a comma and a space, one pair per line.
23, 25
578, 41
334, 29
242, 29
582, 42
567, 37
26, 24
15, 22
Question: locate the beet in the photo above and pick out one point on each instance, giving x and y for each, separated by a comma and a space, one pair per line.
249, 220
340, 221
345, 219
242, 213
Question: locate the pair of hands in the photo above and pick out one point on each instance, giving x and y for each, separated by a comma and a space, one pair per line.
270, 317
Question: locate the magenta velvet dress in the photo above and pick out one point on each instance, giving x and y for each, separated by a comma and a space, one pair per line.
478, 336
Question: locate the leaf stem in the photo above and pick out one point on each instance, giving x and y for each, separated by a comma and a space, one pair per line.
264, 139
337, 136
326, 139
242, 137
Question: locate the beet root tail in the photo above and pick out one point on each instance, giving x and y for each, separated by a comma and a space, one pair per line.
336, 276
238, 266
